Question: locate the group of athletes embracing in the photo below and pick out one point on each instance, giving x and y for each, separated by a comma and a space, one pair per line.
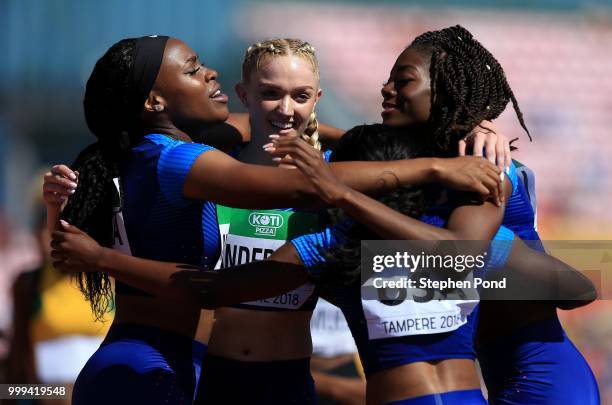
255, 216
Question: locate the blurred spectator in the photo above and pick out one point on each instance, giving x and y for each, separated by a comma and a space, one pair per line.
54, 331
18, 252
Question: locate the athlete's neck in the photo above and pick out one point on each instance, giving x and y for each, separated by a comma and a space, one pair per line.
253, 152
169, 131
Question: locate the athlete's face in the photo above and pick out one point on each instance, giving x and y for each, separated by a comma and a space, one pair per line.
280, 96
407, 93
187, 90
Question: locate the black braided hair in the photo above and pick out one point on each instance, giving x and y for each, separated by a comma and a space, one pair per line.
108, 116
374, 143
468, 85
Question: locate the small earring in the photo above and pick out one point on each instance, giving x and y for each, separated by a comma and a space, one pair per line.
158, 107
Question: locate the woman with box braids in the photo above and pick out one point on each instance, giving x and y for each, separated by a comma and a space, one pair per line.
468, 85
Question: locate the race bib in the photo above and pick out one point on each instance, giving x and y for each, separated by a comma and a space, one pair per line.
410, 318
255, 234
406, 313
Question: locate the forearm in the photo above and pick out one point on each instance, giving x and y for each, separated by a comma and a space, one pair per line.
550, 277
216, 177
378, 177
388, 223
162, 279
191, 285
53, 216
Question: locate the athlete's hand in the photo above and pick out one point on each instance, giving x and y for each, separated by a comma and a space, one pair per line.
473, 174
59, 184
485, 136
311, 163
74, 251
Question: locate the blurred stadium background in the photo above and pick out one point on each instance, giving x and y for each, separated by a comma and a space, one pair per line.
557, 55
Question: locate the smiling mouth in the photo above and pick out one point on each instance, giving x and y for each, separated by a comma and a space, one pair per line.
217, 95
282, 125
388, 108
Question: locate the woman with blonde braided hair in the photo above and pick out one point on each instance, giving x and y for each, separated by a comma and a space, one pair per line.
280, 88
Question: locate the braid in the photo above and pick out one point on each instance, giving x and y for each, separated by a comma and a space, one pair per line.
258, 53
468, 85
311, 133
91, 207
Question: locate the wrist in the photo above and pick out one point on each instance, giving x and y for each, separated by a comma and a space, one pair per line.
435, 170
102, 261
342, 196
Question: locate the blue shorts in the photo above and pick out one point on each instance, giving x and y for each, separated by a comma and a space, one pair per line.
229, 381
537, 365
463, 397
138, 365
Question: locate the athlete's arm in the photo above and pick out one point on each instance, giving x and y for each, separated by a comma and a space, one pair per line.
74, 251
214, 176
545, 277
468, 222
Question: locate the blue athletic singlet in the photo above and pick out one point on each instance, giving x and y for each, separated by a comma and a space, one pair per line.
536, 364
142, 364
382, 341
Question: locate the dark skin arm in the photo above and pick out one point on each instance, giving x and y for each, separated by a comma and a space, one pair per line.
467, 222
217, 177
553, 279
74, 251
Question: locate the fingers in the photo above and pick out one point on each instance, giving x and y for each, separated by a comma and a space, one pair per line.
500, 153
58, 254
70, 228
490, 146
493, 188
507, 153
462, 147
58, 236
63, 170
479, 142
68, 186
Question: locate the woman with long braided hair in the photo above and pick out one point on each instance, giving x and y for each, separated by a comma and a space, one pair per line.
441, 86
526, 358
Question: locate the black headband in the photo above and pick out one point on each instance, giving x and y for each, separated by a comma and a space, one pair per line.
149, 53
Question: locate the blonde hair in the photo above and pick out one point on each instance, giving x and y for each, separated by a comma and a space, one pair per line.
258, 53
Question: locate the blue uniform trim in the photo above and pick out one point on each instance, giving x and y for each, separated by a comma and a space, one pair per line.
500, 248
175, 161
463, 397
